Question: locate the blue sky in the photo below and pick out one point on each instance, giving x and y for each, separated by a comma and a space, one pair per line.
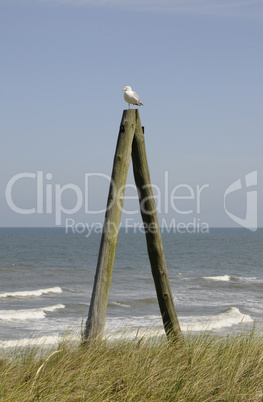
197, 66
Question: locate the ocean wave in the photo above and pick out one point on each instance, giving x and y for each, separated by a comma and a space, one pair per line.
227, 278
131, 334
148, 300
224, 278
131, 322
249, 279
118, 304
43, 341
29, 314
30, 293
25, 342
230, 317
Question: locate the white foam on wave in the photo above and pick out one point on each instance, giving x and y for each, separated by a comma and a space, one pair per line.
152, 324
230, 317
29, 314
119, 304
250, 280
131, 327
30, 293
130, 322
224, 278
25, 342
43, 341
132, 334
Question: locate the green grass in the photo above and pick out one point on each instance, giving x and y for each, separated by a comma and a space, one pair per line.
206, 368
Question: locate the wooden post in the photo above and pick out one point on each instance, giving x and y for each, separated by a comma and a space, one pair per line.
153, 235
97, 311
130, 141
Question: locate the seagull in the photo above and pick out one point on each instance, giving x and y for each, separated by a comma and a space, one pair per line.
131, 97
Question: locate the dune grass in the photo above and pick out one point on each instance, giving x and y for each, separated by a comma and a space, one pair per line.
206, 368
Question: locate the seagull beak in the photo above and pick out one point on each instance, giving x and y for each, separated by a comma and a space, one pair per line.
123, 89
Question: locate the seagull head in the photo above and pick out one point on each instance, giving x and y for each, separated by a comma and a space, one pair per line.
127, 89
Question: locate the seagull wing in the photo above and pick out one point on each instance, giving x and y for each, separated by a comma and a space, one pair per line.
136, 97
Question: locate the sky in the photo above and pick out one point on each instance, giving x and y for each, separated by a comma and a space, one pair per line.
197, 67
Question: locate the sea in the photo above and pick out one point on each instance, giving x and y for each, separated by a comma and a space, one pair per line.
47, 276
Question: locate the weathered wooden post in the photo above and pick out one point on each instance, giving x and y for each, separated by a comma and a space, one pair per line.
130, 141
97, 311
153, 235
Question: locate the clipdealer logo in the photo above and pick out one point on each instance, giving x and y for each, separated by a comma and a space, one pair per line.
182, 199
51, 198
250, 219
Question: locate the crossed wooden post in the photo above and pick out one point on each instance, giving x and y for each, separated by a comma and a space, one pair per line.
131, 143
